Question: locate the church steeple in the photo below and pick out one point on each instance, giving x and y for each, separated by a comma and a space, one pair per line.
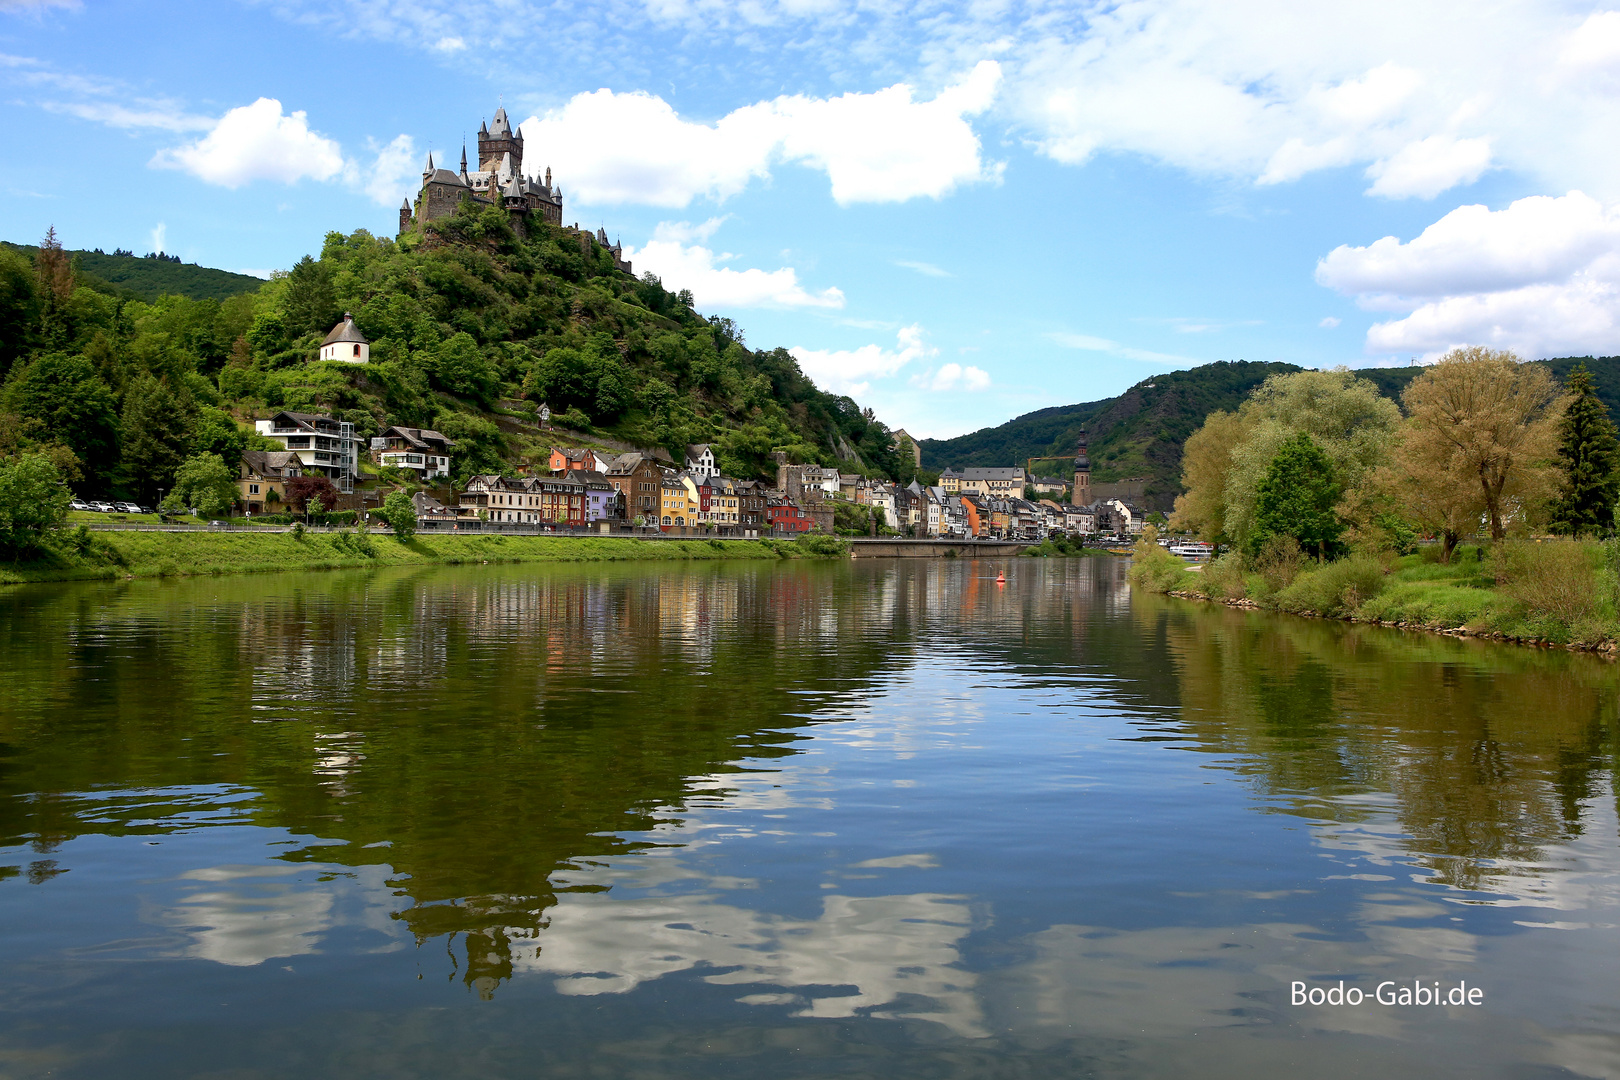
1082, 474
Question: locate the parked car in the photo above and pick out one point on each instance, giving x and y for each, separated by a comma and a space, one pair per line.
102, 507
77, 505
128, 508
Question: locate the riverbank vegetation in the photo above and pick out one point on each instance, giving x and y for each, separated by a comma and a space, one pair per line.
80, 554
1321, 491
472, 327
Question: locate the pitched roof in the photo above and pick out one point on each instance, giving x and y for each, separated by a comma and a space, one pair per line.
346, 331
270, 464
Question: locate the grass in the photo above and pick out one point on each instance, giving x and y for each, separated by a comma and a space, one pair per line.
73, 555
1556, 591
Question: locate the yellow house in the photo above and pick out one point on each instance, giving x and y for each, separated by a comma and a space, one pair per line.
678, 503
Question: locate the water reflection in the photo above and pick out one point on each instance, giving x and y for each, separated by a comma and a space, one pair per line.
1049, 821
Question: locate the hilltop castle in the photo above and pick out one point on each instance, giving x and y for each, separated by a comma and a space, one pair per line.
499, 181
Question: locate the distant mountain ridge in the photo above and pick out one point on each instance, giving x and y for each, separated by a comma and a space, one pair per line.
1139, 434
149, 278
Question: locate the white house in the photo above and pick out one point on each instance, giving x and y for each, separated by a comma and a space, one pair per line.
700, 460
346, 344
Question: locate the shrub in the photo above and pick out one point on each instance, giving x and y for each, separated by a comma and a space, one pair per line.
1155, 569
1278, 562
1556, 578
1335, 590
1222, 578
821, 544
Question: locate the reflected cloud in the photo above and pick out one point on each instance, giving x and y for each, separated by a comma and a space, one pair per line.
882, 956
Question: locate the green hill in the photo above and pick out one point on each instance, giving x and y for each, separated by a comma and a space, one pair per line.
1139, 434
147, 278
471, 326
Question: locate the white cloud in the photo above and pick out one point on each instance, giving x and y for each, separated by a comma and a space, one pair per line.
161, 115
450, 44
1541, 277
1429, 166
1096, 344
954, 377
36, 5
257, 142
159, 236
926, 269
885, 146
395, 173
850, 371
684, 265
1270, 91
1329, 322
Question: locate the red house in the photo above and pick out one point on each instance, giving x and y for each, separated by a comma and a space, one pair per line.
786, 517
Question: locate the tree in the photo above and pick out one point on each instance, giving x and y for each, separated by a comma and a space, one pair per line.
32, 500
1297, 497
460, 366
310, 303
203, 483
62, 400
156, 434
1589, 456
215, 432
400, 513
19, 308
1205, 462
1350, 422
1485, 420
301, 489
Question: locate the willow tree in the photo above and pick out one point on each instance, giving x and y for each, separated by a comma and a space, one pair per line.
1589, 458
1483, 420
1352, 424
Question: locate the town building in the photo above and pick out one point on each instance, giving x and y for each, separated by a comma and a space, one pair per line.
1081, 495
323, 445
262, 478
563, 459
421, 450
998, 483
700, 460
638, 478
787, 518
345, 344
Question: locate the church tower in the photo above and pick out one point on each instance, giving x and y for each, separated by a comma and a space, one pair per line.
1082, 474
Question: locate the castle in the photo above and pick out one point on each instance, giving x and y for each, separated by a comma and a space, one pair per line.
499, 181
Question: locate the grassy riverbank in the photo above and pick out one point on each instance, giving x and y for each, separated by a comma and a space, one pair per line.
72, 555
1559, 592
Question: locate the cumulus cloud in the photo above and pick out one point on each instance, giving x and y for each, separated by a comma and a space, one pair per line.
257, 142
850, 371
677, 255
1541, 276
954, 377
395, 171
1271, 91
880, 147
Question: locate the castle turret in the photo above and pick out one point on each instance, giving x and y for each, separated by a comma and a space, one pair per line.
1082, 474
497, 140
405, 216
427, 170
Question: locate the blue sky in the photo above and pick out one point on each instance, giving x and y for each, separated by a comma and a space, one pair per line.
955, 212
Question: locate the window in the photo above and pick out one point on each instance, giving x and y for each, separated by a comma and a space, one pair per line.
357, 350
253, 489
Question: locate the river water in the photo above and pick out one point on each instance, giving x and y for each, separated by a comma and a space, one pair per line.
880, 818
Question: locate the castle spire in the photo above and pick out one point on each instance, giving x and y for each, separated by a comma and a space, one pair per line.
464, 157
427, 170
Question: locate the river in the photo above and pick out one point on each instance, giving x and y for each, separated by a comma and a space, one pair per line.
806, 819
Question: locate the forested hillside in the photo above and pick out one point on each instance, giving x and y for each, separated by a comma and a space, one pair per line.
1140, 433
148, 277
471, 327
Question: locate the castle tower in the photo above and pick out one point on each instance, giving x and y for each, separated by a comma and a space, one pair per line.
498, 139
405, 216
1082, 474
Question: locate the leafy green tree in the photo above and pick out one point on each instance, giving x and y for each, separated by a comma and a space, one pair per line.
1589, 456
310, 302
32, 500
460, 366
1296, 497
19, 308
61, 400
401, 515
157, 434
203, 482
216, 432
